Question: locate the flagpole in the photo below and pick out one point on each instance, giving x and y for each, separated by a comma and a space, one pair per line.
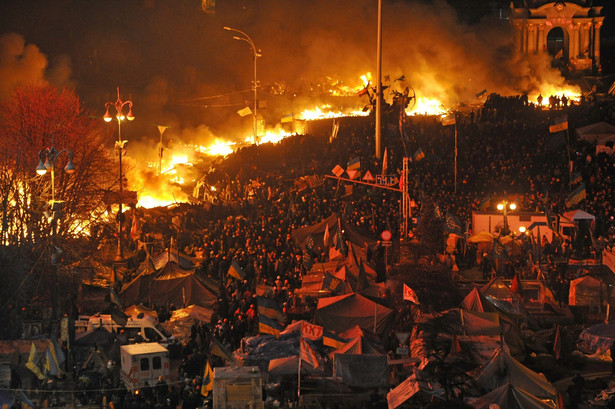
379, 81
455, 157
299, 376
569, 161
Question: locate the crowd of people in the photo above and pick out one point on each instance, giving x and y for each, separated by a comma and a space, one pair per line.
505, 150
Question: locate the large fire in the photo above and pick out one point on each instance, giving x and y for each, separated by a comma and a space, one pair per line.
172, 179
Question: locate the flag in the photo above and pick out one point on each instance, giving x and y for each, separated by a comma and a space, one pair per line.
267, 325
269, 308
576, 195
245, 111
437, 211
307, 353
559, 124
332, 283
220, 350
576, 178
401, 182
118, 316
499, 250
326, 237
313, 181
113, 297
236, 271
455, 346
354, 163
208, 380
410, 295
287, 118
480, 94
387, 78
448, 120
362, 282
515, 286
338, 171
34, 361
311, 331
402, 78
418, 155
453, 225
135, 229
340, 243
384, 163
332, 340
557, 343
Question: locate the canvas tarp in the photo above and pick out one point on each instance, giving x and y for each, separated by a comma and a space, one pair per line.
509, 396
502, 369
169, 285
474, 301
342, 312
317, 231
362, 370
577, 215
599, 133
587, 291
497, 288
598, 338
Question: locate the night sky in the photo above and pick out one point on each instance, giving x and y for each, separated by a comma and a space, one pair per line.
163, 54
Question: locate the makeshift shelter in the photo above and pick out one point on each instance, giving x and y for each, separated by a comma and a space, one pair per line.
597, 339
578, 215
509, 396
317, 231
289, 366
600, 133
503, 369
475, 301
361, 342
345, 311
170, 284
136, 310
587, 291
181, 321
497, 288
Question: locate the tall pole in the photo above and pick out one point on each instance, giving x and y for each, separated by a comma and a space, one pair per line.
379, 82
48, 157
256, 53
119, 147
455, 157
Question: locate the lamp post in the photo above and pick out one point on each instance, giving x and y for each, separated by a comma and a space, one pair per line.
504, 207
119, 148
48, 157
256, 53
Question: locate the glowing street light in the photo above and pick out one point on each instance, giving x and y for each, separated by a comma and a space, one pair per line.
256, 53
504, 207
120, 150
48, 158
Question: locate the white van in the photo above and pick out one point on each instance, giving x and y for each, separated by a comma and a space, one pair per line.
146, 329
143, 364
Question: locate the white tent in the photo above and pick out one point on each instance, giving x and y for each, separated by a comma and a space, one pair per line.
577, 215
600, 133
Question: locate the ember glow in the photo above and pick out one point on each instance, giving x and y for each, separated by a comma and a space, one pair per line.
572, 93
326, 111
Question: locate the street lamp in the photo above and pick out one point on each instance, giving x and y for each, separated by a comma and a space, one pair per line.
119, 149
256, 53
48, 157
504, 207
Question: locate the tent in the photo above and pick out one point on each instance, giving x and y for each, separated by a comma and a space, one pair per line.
599, 133
170, 284
361, 342
342, 312
587, 291
577, 215
597, 339
475, 301
496, 288
181, 322
509, 396
481, 237
503, 369
289, 365
135, 310
317, 231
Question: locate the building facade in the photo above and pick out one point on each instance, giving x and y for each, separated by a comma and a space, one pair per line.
567, 31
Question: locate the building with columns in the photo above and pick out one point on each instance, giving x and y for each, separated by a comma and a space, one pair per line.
569, 31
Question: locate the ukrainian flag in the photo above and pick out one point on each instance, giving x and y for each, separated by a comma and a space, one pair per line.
268, 326
418, 155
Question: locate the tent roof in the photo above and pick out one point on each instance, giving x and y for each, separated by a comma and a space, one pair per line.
502, 368
599, 132
474, 301
497, 288
509, 396
579, 215
481, 237
342, 312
